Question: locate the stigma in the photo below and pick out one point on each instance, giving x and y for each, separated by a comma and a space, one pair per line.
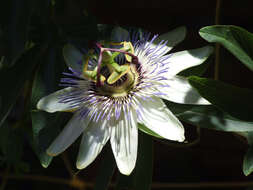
107, 60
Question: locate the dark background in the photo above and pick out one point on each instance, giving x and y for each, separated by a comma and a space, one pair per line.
216, 157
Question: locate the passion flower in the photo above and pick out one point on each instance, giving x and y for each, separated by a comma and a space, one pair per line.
117, 85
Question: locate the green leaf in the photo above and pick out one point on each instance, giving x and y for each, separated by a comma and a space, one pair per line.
231, 99
46, 126
237, 40
48, 75
208, 116
12, 80
141, 178
106, 170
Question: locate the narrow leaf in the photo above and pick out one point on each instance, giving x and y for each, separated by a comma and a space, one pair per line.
46, 126
12, 80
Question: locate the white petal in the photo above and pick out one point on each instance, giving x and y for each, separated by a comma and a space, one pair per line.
119, 35
93, 140
51, 102
159, 49
184, 59
173, 37
180, 91
124, 142
70, 133
157, 117
72, 57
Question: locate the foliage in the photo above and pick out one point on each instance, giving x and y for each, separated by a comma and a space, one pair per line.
235, 101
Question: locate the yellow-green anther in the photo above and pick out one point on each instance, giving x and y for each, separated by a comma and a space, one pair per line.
129, 48
107, 56
92, 75
117, 75
116, 67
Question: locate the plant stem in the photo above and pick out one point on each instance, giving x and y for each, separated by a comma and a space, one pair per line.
155, 185
67, 164
50, 179
217, 46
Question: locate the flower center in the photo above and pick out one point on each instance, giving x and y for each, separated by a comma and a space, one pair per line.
114, 78
121, 87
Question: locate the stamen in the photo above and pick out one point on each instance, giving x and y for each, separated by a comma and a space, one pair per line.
100, 59
99, 65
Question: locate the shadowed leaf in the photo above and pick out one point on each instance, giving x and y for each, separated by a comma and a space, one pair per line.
207, 116
12, 80
231, 99
46, 126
